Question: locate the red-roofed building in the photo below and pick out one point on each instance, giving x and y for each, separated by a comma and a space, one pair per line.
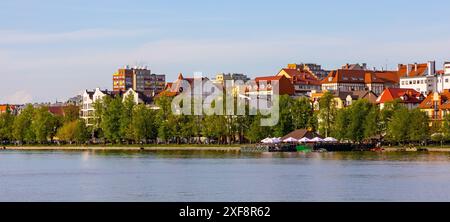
421, 77
436, 105
348, 80
181, 84
409, 97
267, 85
303, 80
56, 110
4, 108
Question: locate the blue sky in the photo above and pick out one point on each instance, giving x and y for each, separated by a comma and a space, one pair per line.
55, 49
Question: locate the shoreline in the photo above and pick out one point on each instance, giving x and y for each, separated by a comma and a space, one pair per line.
426, 149
118, 148
183, 148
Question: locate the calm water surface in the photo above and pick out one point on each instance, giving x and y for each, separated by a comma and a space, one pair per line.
222, 176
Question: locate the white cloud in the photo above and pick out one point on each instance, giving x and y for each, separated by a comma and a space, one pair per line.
20, 37
19, 97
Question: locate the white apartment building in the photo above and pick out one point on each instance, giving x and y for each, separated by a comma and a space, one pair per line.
87, 108
420, 77
90, 97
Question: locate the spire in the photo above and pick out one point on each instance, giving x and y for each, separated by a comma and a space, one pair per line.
180, 76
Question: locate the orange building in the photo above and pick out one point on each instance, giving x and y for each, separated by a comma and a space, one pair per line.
360, 80
266, 86
408, 97
436, 105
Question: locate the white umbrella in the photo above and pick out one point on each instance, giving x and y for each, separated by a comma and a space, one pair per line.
330, 139
317, 139
266, 140
290, 140
304, 140
276, 140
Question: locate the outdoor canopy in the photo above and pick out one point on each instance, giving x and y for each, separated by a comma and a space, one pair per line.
304, 140
317, 139
290, 140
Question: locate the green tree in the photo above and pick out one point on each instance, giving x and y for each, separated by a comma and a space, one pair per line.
111, 120
358, 113
327, 113
285, 124
446, 128
126, 119
71, 113
418, 126
341, 124
215, 127
372, 123
143, 124
386, 114
398, 126
44, 125
22, 131
67, 132
81, 134
6, 125
303, 114
257, 132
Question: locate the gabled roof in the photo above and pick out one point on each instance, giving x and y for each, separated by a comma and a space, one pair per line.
443, 101
301, 133
56, 110
299, 77
361, 77
406, 95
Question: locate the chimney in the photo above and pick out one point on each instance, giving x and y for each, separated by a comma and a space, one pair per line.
415, 67
364, 66
431, 68
399, 67
408, 69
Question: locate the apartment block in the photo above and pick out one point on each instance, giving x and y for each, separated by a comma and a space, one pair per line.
139, 79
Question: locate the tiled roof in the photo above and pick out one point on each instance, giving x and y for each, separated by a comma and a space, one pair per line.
390, 94
361, 76
298, 77
443, 102
421, 70
56, 110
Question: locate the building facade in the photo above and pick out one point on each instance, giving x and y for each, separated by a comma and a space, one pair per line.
436, 105
222, 77
304, 81
421, 77
139, 79
348, 80
410, 98
312, 68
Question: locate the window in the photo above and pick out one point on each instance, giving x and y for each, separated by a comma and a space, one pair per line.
446, 80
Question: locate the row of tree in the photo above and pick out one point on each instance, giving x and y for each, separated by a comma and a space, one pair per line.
363, 121
118, 120
38, 125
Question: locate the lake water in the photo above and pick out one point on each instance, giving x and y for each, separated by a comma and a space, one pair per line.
222, 176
